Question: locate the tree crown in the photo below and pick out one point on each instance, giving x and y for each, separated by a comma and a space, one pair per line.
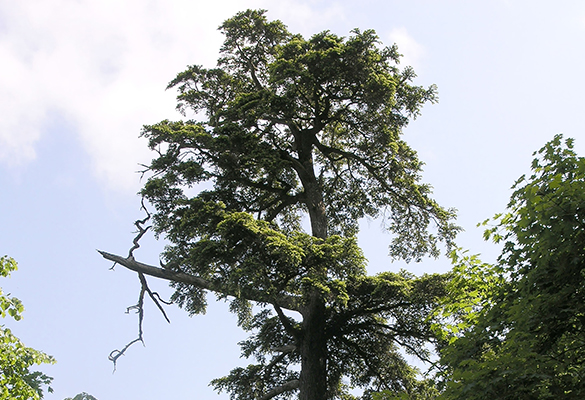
283, 133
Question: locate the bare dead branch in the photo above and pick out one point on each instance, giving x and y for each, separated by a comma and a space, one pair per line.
115, 354
129, 262
141, 229
154, 298
155, 294
285, 301
139, 307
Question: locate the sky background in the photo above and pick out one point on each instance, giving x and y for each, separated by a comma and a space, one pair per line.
79, 78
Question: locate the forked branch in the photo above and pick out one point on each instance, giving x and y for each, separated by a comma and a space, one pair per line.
139, 307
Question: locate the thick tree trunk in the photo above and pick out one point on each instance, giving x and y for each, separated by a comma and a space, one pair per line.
313, 342
313, 350
317, 213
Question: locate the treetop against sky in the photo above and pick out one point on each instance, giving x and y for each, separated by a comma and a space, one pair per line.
82, 78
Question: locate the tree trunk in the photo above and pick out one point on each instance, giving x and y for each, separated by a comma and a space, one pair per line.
313, 191
313, 350
313, 343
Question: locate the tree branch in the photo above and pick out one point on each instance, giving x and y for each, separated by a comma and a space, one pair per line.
275, 360
141, 230
286, 322
115, 354
289, 348
290, 385
285, 301
139, 307
372, 370
154, 296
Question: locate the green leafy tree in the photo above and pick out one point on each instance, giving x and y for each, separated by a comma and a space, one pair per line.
288, 130
17, 381
523, 332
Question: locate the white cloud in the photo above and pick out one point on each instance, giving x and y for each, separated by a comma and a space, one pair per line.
412, 51
103, 67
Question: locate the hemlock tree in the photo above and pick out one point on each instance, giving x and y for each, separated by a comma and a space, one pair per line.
527, 337
295, 129
17, 381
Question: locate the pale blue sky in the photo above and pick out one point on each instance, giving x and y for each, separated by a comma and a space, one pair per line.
79, 78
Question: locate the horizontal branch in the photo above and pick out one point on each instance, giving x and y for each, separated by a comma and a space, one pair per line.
284, 349
285, 301
287, 387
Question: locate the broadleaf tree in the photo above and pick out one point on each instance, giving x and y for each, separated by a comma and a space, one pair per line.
286, 144
524, 336
17, 380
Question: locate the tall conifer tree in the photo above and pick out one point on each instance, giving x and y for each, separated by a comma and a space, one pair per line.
286, 128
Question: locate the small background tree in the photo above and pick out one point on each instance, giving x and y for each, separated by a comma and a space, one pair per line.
17, 381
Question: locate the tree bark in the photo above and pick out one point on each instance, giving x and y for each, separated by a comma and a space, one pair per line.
313, 350
314, 194
313, 342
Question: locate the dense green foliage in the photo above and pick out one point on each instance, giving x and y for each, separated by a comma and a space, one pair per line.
289, 130
522, 331
17, 381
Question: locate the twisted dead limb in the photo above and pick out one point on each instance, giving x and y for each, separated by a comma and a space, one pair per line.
115, 354
139, 306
